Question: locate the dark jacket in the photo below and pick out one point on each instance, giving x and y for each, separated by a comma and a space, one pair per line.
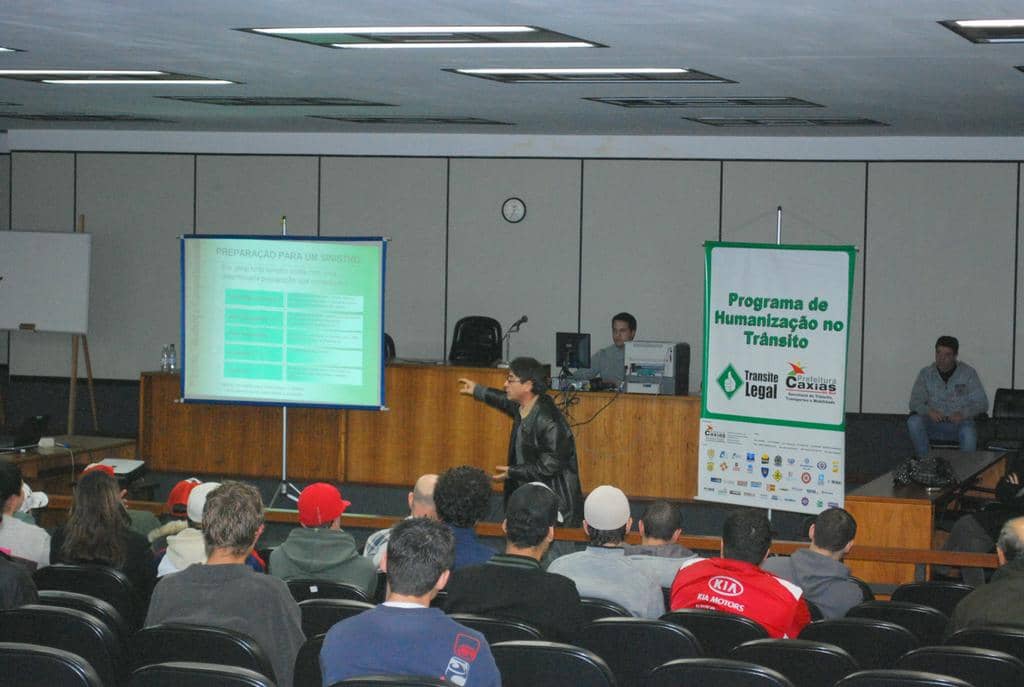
139, 564
547, 453
16, 585
1000, 602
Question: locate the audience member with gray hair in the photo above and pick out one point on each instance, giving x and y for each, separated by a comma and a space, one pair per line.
225, 592
421, 505
1001, 601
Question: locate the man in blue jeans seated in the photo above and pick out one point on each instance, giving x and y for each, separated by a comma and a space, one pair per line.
945, 399
403, 635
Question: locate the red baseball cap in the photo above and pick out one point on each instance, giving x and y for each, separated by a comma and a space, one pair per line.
100, 467
177, 500
319, 503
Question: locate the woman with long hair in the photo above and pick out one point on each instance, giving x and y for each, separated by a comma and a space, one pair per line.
97, 531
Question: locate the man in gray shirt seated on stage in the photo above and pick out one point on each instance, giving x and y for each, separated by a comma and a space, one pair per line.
610, 363
602, 570
659, 552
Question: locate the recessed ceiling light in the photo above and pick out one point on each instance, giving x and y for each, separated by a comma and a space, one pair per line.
706, 101
785, 121
3, 49
93, 118
391, 37
271, 101
105, 77
593, 75
988, 30
411, 119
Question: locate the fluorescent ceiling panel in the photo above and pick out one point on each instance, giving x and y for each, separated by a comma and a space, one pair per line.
785, 121
988, 30
413, 119
593, 75
271, 101
383, 37
94, 77
684, 101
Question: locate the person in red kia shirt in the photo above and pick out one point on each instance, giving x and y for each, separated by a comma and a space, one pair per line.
736, 584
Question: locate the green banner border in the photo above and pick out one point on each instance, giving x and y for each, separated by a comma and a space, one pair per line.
710, 246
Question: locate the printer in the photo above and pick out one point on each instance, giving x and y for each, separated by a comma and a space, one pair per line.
657, 367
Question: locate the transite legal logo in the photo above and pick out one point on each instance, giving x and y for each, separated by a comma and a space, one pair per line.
730, 381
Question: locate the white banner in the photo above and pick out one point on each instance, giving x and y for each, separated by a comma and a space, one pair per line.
774, 384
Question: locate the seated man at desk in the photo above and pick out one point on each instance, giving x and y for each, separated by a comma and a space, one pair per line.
609, 364
945, 399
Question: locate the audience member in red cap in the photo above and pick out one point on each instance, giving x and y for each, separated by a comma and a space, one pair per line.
177, 505
320, 549
98, 531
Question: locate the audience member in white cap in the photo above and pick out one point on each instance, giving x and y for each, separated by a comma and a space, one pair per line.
187, 546
602, 570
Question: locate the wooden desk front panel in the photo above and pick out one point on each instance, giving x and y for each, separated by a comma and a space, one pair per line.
428, 426
217, 439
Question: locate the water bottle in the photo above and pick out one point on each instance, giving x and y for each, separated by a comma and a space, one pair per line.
172, 359
165, 359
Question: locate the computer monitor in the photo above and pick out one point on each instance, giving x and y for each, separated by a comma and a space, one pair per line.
572, 350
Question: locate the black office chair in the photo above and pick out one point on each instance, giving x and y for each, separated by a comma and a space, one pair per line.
101, 581
69, 630
476, 340
195, 674
874, 644
535, 663
179, 642
1006, 638
719, 672
320, 615
716, 631
497, 629
969, 663
389, 348
1007, 421
899, 678
305, 588
632, 647
942, 596
594, 608
804, 662
91, 605
926, 623
31, 664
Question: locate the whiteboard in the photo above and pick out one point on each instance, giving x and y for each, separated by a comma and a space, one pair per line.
44, 281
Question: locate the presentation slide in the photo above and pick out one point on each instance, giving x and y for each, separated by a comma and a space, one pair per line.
283, 321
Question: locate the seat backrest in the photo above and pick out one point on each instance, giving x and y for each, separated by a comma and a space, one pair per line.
1008, 403
977, 666
497, 629
91, 605
70, 630
307, 663
26, 664
303, 589
320, 615
714, 671
874, 644
899, 678
101, 581
594, 608
533, 663
1006, 638
632, 647
806, 663
389, 348
942, 596
195, 674
925, 622
865, 589
391, 681
716, 631
177, 642
476, 340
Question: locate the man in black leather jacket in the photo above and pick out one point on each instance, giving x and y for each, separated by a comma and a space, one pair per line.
541, 447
